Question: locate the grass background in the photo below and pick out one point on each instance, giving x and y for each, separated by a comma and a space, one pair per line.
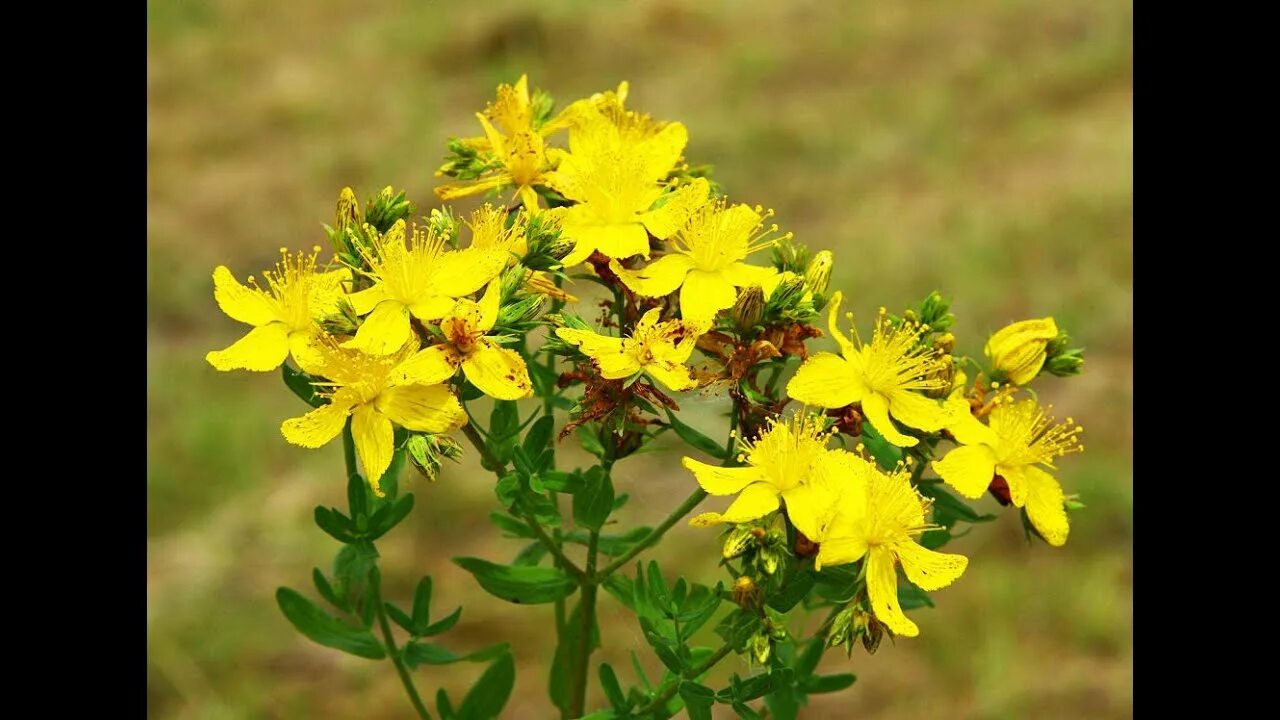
981, 148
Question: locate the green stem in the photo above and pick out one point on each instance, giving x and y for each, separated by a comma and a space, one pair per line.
349, 449
655, 534
670, 692
392, 650
581, 661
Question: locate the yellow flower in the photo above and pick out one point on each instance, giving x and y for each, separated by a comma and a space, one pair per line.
790, 463
657, 348
707, 262
615, 177
1020, 437
879, 516
375, 391
423, 280
518, 150
283, 316
884, 375
1019, 349
497, 371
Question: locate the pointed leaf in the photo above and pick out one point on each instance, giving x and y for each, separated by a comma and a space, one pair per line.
325, 629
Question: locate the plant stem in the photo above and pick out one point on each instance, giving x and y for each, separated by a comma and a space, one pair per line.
667, 694
655, 534
582, 653
392, 651
349, 449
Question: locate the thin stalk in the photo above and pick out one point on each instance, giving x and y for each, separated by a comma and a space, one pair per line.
392, 650
667, 694
582, 653
696, 497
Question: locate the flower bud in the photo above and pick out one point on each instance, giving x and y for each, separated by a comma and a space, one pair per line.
1017, 351
348, 214
1061, 360
761, 647
945, 343
526, 309
745, 592
444, 225
818, 274
737, 541
769, 560
749, 308
427, 452
841, 628
873, 634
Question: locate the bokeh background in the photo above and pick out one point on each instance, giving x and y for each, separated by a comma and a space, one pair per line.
981, 148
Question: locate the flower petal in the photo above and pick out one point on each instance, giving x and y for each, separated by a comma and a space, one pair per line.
465, 271
839, 551
327, 290
929, 569
826, 380
321, 425
430, 366
659, 153
425, 408
261, 349
704, 294
675, 376
744, 275
619, 240
876, 409
305, 349
617, 365
882, 588
365, 301
667, 220
245, 304
755, 501
499, 372
967, 429
591, 344
375, 443
489, 306
833, 324
969, 469
721, 480
810, 507
660, 278
1044, 503
917, 411
384, 331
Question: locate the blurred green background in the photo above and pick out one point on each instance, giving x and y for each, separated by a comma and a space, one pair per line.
980, 148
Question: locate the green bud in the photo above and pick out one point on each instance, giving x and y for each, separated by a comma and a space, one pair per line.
524, 310
443, 224
818, 274
935, 312
873, 634
343, 323
769, 560
789, 255
841, 628
1062, 360
737, 541
427, 453
761, 647
749, 308
385, 209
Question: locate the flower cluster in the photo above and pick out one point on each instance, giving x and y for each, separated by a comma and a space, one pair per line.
827, 452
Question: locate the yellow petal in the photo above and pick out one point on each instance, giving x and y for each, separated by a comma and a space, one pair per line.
707, 519
673, 375
375, 443
426, 408
969, 469
617, 365
660, 278
1019, 348
929, 569
876, 408
453, 191
755, 501
590, 343
429, 366
465, 271
660, 152
529, 197
833, 323
721, 480
499, 372
262, 349
1044, 502
385, 331
839, 551
618, 240
242, 303
667, 220
365, 301
489, 305
826, 380
744, 275
432, 309
305, 349
882, 589
810, 506
967, 429
917, 411
327, 290
321, 425
704, 294
581, 251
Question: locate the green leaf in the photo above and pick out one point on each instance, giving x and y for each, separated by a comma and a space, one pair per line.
737, 627
325, 629
512, 526
593, 503
782, 702
539, 436
524, 585
809, 659
357, 496
612, 689
590, 441
559, 481
665, 650
828, 683
911, 597
335, 524
696, 439
422, 602
795, 585
947, 508
504, 429
399, 617
389, 515
490, 693
418, 653
621, 589
754, 687
300, 383
562, 666
698, 700
326, 590
886, 453
444, 625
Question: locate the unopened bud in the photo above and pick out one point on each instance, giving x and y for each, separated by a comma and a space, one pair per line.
444, 225
818, 274
872, 635
1018, 351
789, 290
749, 308
427, 453
769, 560
737, 542
526, 309
348, 214
945, 343
761, 647
745, 592
841, 628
